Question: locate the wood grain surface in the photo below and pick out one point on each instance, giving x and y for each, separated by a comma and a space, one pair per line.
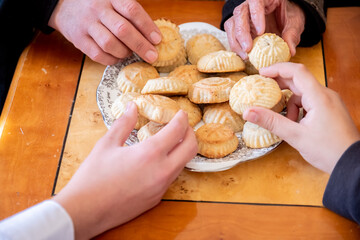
342, 56
34, 121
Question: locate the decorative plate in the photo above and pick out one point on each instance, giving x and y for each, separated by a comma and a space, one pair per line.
107, 92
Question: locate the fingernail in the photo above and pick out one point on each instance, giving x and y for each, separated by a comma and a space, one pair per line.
151, 56
155, 37
250, 116
258, 30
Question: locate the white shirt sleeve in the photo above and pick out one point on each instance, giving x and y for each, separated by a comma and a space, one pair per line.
46, 220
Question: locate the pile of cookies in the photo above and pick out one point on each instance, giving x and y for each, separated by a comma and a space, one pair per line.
207, 82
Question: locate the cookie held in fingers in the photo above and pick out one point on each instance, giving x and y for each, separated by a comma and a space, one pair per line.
216, 140
119, 107
210, 90
156, 108
171, 48
267, 50
255, 90
255, 136
219, 62
133, 77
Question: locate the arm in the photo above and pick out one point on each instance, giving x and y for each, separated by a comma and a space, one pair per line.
325, 134
342, 191
46, 220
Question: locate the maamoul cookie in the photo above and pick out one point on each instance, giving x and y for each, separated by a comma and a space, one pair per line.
193, 110
148, 130
165, 86
200, 45
220, 61
267, 50
188, 73
222, 113
157, 108
119, 107
171, 48
180, 62
216, 140
255, 136
254, 90
133, 77
211, 90
235, 76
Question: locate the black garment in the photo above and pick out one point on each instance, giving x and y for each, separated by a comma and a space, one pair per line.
19, 20
342, 193
314, 19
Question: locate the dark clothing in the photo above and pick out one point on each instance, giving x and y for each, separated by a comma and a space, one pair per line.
342, 193
19, 20
314, 19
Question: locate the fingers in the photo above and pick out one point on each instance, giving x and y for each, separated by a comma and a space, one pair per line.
281, 126
186, 149
135, 14
293, 106
294, 24
88, 46
129, 34
107, 41
294, 76
122, 127
173, 133
242, 27
257, 13
234, 44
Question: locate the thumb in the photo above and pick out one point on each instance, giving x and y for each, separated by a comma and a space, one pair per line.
122, 127
292, 37
276, 123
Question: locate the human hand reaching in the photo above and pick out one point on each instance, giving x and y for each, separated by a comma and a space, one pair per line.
116, 183
326, 130
107, 30
255, 17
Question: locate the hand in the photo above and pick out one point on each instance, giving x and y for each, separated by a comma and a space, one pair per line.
115, 183
327, 129
254, 17
107, 30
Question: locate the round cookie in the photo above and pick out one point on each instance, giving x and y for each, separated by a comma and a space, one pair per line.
133, 77
220, 61
157, 108
201, 44
211, 90
193, 111
216, 140
255, 90
222, 113
268, 49
255, 136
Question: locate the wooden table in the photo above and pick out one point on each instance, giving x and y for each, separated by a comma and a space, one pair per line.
53, 80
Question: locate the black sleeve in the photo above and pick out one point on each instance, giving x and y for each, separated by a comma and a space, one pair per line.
342, 193
26, 13
314, 19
